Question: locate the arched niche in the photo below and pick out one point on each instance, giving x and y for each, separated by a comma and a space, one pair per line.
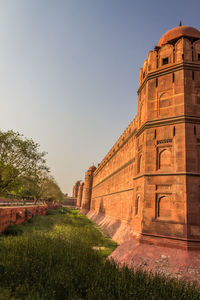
196, 47
152, 61
165, 52
187, 50
179, 50
183, 50
163, 208
165, 100
165, 159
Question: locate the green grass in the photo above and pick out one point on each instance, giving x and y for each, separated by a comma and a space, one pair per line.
52, 257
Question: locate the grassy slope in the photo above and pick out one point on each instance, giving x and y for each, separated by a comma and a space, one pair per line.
52, 258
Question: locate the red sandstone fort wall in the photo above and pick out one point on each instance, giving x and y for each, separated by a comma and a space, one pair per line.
16, 215
112, 191
150, 177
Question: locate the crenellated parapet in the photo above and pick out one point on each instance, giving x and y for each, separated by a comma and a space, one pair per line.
127, 134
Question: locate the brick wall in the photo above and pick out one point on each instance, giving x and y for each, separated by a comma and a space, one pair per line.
17, 215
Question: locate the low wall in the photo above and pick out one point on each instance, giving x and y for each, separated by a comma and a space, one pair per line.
8, 201
16, 215
70, 201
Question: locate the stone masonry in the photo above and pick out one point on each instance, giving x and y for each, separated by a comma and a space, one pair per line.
149, 181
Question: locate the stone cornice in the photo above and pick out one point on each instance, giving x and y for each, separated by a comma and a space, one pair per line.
168, 121
152, 124
169, 69
158, 173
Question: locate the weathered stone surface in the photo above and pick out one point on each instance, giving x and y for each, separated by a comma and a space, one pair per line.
173, 262
150, 179
87, 190
80, 194
17, 215
75, 189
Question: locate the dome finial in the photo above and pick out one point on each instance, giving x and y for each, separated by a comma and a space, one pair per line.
180, 24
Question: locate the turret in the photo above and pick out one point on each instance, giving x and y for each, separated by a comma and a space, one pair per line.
80, 194
167, 157
75, 189
87, 191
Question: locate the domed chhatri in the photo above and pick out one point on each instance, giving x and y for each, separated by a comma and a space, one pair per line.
178, 32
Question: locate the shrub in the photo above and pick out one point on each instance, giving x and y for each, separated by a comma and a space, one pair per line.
13, 230
51, 212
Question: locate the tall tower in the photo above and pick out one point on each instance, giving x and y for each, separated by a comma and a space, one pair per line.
75, 189
167, 169
80, 194
87, 190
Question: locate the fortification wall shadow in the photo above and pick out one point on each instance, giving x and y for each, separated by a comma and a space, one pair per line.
117, 229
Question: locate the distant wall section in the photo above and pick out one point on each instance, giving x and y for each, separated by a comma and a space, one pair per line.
113, 185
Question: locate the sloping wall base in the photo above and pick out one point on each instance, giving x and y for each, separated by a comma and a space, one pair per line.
178, 263
117, 229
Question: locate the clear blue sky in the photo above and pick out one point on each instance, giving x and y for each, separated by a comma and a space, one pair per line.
69, 72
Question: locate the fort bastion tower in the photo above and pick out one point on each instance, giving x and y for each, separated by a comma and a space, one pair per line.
87, 190
150, 179
168, 140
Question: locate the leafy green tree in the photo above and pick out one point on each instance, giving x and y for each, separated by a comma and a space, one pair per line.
23, 170
43, 188
20, 158
50, 191
29, 188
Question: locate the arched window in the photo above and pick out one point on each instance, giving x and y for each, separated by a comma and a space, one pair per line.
165, 101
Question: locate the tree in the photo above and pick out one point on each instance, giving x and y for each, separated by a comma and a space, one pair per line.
20, 159
50, 191
29, 188
44, 188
